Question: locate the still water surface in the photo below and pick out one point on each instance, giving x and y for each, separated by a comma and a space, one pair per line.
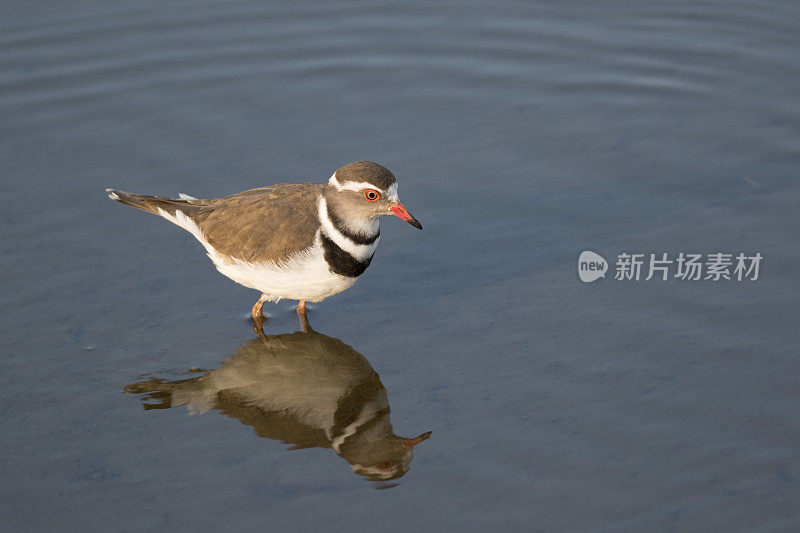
522, 133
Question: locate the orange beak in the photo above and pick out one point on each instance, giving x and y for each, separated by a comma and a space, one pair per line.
400, 210
410, 443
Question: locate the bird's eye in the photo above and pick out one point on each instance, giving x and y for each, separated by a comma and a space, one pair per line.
371, 195
387, 464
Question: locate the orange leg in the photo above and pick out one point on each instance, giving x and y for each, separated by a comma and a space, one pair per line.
258, 317
259, 305
301, 314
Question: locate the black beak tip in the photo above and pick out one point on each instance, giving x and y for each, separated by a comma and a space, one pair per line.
414, 222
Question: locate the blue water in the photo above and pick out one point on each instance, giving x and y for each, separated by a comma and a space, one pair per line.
521, 134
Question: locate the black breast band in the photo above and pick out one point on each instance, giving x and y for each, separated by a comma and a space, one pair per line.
341, 262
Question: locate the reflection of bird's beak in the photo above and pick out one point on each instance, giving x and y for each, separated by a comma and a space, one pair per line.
410, 443
399, 210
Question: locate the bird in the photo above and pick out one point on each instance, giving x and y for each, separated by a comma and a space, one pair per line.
305, 389
296, 241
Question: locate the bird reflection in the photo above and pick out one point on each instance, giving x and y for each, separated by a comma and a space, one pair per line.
305, 389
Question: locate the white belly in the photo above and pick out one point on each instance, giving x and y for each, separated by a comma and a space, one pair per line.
302, 276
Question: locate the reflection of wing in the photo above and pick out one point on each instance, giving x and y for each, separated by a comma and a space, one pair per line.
272, 425
303, 375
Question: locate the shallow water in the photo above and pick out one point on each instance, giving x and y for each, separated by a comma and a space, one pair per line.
521, 135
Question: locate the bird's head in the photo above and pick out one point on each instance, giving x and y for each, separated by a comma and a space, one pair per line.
366, 190
382, 459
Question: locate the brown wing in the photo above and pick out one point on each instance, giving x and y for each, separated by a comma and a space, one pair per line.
264, 224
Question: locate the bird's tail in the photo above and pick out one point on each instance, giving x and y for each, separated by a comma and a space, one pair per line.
163, 394
157, 204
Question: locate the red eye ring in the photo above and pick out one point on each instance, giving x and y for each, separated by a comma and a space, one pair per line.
387, 464
372, 195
